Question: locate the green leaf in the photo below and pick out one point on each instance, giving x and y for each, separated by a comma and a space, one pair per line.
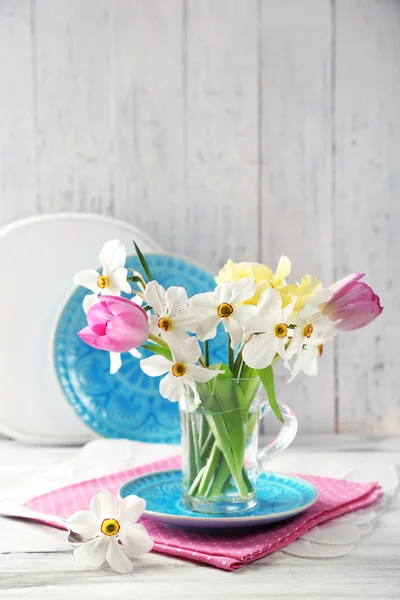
267, 379
143, 262
135, 278
158, 350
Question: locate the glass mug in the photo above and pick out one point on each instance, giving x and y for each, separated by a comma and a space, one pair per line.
221, 458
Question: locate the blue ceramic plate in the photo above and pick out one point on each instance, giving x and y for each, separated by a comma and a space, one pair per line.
278, 497
127, 404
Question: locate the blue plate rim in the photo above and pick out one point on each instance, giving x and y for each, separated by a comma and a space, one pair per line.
239, 517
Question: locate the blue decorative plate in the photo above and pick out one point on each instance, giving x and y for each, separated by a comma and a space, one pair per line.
278, 497
127, 404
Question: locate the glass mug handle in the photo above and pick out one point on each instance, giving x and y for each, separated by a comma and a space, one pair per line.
284, 438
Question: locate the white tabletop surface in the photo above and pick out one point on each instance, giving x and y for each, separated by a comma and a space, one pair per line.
36, 562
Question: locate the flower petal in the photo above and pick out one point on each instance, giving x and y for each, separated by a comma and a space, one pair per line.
87, 278
204, 304
116, 557
155, 297
190, 350
112, 256
85, 523
224, 292
93, 553
176, 299
135, 353
243, 313
346, 283
243, 290
104, 505
155, 365
208, 328
130, 509
270, 305
259, 324
283, 269
136, 540
89, 301
118, 282
259, 352
235, 331
115, 362
201, 374
171, 387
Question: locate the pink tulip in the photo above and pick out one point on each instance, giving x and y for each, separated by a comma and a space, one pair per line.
115, 324
353, 302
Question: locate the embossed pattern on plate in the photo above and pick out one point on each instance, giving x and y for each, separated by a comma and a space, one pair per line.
127, 404
278, 497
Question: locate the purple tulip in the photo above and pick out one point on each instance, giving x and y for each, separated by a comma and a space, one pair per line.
115, 324
354, 302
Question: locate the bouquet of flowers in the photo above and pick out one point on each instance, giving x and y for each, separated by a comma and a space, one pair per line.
266, 318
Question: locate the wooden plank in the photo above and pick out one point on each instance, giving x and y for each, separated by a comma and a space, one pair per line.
367, 206
148, 98
222, 131
17, 126
296, 144
73, 96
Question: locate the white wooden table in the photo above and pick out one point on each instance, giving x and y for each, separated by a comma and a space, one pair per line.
36, 562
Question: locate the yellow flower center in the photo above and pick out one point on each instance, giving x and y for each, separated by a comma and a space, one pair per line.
224, 310
103, 281
307, 331
320, 350
178, 370
165, 324
110, 527
281, 330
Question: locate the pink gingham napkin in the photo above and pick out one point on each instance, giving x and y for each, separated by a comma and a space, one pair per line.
227, 551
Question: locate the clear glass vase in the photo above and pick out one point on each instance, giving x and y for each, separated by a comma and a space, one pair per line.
221, 458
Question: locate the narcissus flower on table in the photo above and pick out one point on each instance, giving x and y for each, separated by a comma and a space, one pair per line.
261, 274
117, 325
111, 529
171, 311
180, 372
353, 302
223, 305
113, 279
270, 329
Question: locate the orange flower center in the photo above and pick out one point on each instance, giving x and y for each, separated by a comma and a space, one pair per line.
165, 324
103, 281
178, 370
308, 329
224, 310
281, 330
110, 527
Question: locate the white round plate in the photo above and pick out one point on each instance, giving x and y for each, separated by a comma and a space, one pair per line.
40, 256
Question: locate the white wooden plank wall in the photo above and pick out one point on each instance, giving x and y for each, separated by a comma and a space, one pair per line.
237, 128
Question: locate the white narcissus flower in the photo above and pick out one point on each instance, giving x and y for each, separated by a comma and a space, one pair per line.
180, 372
171, 312
223, 305
271, 328
312, 331
112, 281
105, 525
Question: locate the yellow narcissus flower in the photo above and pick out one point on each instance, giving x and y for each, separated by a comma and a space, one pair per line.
306, 289
262, 275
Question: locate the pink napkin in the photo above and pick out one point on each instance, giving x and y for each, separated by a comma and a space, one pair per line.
227, 551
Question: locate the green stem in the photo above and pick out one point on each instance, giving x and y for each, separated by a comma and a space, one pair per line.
231, 357
206, 354
195, 484
209, 470
158, 340
196, 447
206, 447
